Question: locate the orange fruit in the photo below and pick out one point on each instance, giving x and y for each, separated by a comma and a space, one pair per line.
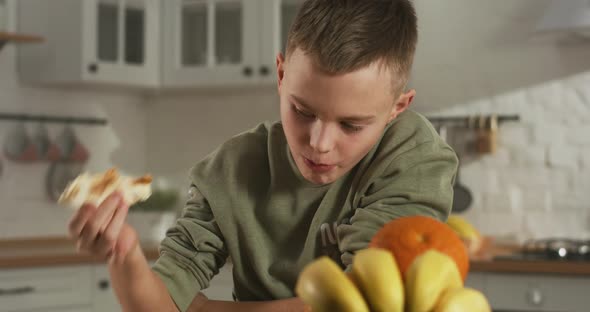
408, 237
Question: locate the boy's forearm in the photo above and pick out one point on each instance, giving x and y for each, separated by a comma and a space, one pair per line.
285, 305
137, 287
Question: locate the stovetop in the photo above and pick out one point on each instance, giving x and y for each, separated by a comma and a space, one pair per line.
552, 249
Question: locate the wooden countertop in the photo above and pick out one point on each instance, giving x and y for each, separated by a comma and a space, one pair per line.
51, 251
531, 267
493, 258
54, 251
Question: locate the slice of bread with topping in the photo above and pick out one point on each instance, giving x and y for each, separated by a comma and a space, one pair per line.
94, 188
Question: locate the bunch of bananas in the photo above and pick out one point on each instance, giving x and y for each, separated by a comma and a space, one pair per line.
431, 284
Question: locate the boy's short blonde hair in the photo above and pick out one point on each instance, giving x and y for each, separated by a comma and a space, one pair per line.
345, 35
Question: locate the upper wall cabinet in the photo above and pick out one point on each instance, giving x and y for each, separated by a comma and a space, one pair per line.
224, 42
109, 42
211, 42
155, 43
274, 30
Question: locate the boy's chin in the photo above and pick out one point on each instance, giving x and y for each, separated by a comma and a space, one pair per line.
320, 179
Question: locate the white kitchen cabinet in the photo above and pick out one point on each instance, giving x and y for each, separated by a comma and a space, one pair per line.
476, 280
508, 292
539, 293
274, 28
64, 309
103, 296
210, 42
104, 42
223, 42
44, 289
154, 44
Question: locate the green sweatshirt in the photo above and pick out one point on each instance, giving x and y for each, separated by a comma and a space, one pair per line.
247, 200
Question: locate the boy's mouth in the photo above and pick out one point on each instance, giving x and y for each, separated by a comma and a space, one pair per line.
318, 167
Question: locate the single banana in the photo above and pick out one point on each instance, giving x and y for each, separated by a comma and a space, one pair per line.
429, 275
462, 300
324, 286
375, 272
466, 231
462, 227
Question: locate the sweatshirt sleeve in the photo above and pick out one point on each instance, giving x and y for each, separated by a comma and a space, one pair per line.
418, 181
192, 252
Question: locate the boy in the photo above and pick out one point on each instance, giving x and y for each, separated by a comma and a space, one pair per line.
346, 158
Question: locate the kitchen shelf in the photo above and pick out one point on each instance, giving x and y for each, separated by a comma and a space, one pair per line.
6, 37
465, 120
53, 119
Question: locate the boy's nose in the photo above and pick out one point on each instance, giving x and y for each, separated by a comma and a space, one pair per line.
321, 138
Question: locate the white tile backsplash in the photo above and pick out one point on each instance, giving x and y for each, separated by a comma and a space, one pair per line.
563, 156
542, 163
25, 209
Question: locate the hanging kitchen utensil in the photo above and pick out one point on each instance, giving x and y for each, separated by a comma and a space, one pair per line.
493, 134
59, 175
462, 197
46, 149
70, 147
18, 146
487, 133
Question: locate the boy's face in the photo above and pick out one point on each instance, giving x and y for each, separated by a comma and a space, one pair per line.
332, 121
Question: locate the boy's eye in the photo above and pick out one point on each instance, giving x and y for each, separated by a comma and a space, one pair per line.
351, 127
302, 113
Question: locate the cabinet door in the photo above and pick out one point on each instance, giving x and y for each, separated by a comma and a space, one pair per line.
538, 293
278, 15
210, 42
67, 309
44, 288
121, 41
104, 299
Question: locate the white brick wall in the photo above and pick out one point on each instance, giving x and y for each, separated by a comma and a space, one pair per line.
538, 183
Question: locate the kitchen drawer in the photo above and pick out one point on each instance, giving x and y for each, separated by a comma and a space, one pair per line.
476, 280
68, 309
539, 293
45, 288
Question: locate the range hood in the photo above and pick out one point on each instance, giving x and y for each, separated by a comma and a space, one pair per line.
567, 16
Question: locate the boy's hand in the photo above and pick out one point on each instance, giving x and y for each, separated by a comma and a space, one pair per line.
102, 231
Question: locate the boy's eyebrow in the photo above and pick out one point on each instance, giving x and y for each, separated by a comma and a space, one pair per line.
349, 118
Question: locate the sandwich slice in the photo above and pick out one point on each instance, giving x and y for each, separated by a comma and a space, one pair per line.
94, 188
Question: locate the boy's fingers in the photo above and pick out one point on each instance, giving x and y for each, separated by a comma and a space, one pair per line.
111, 233
97, 223
78, 221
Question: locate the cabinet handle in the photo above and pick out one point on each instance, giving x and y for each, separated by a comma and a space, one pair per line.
103, 284
93, 68
535, 296
17, 291
247, 71
264, 71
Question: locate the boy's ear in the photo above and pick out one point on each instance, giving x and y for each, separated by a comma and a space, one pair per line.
280, 70
402, 103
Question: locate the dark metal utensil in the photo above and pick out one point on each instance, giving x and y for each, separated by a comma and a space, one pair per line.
462, 197
59, 175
